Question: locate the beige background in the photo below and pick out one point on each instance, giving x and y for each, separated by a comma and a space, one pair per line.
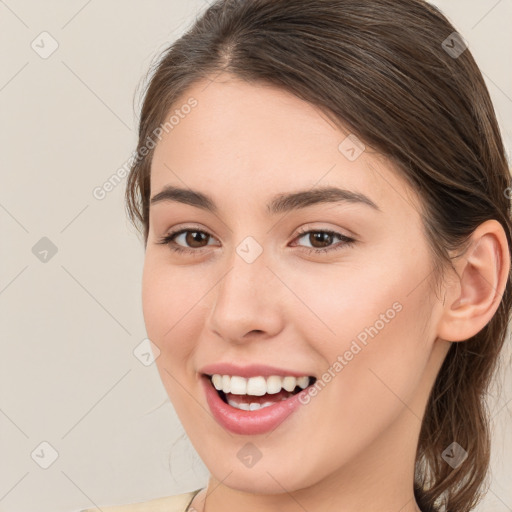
69, 326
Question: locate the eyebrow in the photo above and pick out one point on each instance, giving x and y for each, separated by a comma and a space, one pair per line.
280, 203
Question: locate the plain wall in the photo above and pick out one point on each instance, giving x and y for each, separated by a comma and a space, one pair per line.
70, 324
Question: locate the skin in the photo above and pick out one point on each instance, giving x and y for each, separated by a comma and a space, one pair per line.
352, 448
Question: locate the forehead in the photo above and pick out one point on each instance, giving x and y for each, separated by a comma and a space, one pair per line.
260, 139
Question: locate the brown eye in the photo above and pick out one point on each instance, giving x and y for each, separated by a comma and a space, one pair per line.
321, 240
195, 238
191, 241
320, 237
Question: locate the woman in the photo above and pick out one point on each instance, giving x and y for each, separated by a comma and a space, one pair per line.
321, 187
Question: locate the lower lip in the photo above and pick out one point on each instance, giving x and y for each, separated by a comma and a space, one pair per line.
242, 422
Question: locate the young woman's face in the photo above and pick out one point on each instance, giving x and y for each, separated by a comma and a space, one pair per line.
253, 295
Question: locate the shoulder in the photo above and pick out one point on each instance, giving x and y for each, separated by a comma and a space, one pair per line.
177, 503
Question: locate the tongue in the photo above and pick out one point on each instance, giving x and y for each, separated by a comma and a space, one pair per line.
250, 399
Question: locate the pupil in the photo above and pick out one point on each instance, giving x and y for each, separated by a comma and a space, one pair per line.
192, 237
322, 235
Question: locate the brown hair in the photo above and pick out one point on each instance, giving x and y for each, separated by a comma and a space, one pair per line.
381, 69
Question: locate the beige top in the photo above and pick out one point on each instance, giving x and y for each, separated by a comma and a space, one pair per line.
177, 503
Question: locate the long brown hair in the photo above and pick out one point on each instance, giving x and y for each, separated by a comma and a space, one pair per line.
396, 75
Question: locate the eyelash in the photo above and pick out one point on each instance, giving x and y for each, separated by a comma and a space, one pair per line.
169, 240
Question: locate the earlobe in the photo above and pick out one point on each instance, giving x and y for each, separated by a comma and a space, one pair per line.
472, 300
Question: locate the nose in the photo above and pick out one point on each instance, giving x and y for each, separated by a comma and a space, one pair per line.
248, 302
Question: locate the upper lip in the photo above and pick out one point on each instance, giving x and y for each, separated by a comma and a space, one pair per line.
252, 370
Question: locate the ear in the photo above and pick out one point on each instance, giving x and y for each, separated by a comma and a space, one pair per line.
473, 297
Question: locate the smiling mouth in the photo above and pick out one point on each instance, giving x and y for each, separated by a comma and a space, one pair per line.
257, 392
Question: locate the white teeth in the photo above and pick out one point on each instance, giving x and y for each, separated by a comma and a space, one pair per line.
244, 407
273, 384
217, 381
303, 382
249, 407
289, 383
257, 386
226, 384
238, 385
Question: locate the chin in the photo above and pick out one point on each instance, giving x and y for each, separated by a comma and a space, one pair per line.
262, 483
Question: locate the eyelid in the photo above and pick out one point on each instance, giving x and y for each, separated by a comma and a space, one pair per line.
307, 228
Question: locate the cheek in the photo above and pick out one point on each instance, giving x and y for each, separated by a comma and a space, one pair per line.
171, 306
350, 303
167, 302
155, 298
371, 328
372, 367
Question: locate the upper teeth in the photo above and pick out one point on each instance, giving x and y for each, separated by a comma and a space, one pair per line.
257, 386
